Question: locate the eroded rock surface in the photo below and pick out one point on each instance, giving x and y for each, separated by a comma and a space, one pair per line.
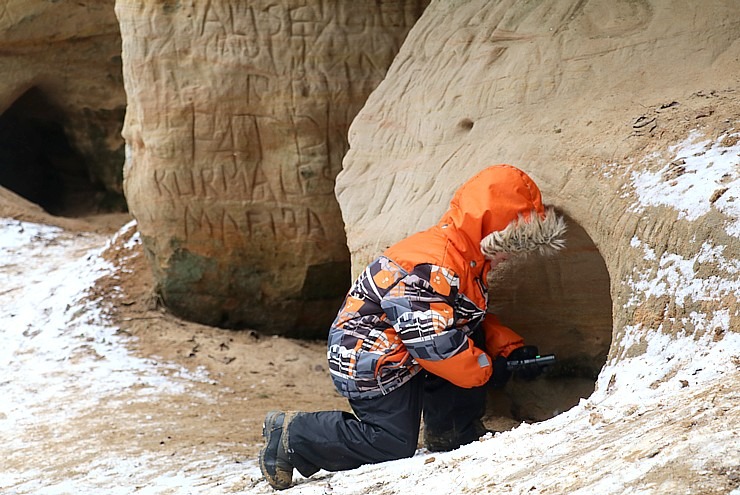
236, 129
62, 104
594, 100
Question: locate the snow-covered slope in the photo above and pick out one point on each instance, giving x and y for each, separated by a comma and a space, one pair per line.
662, 421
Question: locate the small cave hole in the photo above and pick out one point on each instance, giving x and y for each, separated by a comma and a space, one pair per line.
561, 304
39, 163
466, 124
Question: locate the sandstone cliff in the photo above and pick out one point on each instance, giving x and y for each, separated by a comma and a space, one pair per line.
625, 112
62, 104
604, 103
236, 128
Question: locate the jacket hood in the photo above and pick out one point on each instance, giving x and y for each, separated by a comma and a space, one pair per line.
500, 209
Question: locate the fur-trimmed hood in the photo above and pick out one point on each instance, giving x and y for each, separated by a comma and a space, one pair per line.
500, 209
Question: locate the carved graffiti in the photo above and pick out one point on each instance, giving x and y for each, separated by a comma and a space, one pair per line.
227, 180
237, 226
237, 121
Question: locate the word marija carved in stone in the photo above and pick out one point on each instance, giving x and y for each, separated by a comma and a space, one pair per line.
231, 227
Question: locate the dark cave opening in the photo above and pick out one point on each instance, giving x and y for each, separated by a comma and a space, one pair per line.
563, 305
39, 163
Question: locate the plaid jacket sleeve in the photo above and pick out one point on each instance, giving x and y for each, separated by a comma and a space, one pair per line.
422, 310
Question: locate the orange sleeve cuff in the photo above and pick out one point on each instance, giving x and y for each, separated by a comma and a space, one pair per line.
500, 340
469, 368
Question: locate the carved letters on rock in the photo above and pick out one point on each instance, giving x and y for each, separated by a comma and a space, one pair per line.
236, 128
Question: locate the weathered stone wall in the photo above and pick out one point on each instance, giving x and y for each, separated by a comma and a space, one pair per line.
585, 96
235, 131
65, 57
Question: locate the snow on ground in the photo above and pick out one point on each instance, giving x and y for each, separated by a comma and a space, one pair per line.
655, 419
59, 361
660, 421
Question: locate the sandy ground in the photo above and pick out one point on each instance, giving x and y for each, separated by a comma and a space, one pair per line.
113, 395
229, 379
114, 387
255, 373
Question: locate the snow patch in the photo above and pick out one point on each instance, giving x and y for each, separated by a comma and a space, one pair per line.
700, 175
48, 315
61, 359
677, 277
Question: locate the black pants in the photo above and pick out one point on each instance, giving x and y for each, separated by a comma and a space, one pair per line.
384, 428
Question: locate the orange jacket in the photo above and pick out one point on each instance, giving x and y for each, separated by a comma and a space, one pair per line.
417, 305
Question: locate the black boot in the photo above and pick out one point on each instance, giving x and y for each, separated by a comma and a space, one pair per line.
274, 462
452, 439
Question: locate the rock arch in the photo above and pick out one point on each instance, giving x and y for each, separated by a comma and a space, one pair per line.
62, 102
563, 305
604, 104
40, 163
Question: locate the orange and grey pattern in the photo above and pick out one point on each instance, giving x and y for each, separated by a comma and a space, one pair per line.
417, 305
393, 322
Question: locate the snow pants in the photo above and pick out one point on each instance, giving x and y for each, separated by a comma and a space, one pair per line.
384, 428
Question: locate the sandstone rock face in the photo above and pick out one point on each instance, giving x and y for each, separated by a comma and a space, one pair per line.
62, 104
586, 97
235, 131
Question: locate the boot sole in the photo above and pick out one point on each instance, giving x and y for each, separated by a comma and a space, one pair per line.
267, 433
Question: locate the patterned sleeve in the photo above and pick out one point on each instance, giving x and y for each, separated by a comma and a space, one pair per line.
421, 309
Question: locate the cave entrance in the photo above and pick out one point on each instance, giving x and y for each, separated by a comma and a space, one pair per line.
562, 304
38, 162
